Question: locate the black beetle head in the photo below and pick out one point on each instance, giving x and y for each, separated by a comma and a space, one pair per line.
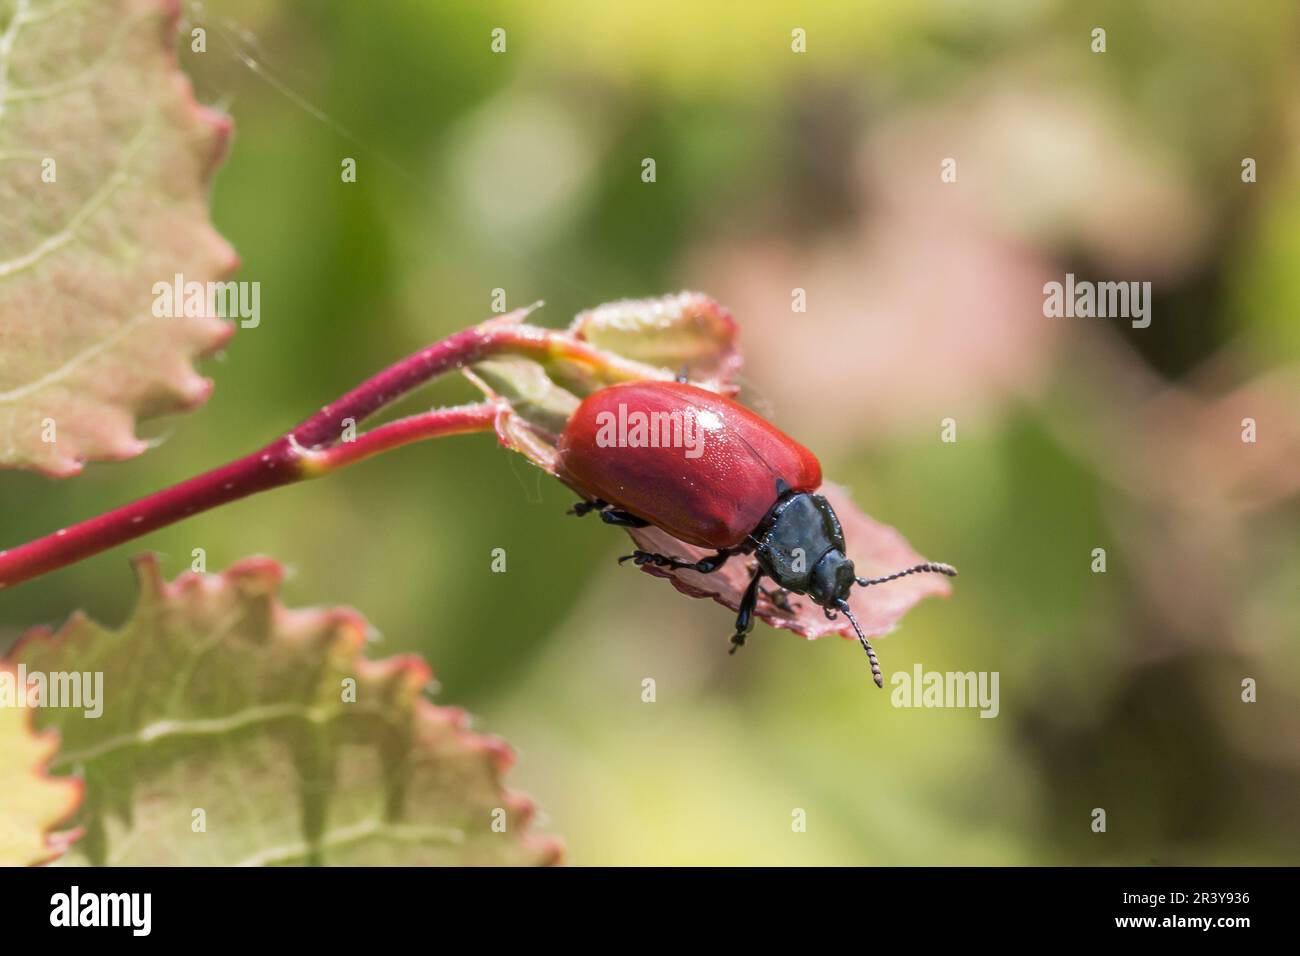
831, 579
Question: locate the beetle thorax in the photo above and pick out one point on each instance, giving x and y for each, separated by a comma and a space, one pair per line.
801, 547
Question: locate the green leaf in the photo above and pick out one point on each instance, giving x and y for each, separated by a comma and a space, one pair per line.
684, 332
105, 159
32, 802
529, 391
237, 731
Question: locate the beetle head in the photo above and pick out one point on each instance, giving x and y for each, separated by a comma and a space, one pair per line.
829, 585
831, 579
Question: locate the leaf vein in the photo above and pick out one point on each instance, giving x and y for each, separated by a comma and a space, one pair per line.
357, 833
211, 726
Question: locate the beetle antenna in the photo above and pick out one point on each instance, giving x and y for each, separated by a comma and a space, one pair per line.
866, 645
932, 568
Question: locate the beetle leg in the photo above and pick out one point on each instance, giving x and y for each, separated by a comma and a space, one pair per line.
712, 562
622, 519
703, 566
745, 616
779, 597
583, 507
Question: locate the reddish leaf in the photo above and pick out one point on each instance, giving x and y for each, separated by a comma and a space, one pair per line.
875, 548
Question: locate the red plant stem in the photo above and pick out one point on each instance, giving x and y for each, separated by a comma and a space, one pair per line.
434, 424
282, 462
316, 448
502, 337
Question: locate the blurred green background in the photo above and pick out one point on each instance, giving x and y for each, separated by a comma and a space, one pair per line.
778, 170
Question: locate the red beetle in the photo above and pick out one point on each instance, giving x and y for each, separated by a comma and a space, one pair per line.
712, 473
